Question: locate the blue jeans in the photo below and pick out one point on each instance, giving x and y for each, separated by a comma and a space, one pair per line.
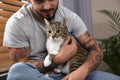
23, 71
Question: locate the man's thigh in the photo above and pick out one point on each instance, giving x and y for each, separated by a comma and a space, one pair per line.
100, 75
23, 71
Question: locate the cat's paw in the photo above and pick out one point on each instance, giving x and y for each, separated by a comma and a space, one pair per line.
53, 53
56, 70
47, 63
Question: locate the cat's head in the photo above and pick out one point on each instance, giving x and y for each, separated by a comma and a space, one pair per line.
56, 29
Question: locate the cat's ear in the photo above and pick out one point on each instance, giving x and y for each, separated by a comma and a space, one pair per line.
63, 22
46, 22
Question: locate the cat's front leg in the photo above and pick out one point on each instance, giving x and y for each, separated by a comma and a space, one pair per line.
48, 60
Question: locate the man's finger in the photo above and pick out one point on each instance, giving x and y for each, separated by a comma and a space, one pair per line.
67, 40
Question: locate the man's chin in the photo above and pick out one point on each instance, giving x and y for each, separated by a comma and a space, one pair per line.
48, 17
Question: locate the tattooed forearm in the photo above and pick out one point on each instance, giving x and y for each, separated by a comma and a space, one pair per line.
95, 53
19, 54
94, 59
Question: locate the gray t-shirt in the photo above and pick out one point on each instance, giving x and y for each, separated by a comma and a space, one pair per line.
23, 30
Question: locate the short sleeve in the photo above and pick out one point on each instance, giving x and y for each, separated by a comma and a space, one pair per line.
75, 24
78, 26
14, 35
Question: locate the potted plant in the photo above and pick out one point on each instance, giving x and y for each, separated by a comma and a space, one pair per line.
111, 45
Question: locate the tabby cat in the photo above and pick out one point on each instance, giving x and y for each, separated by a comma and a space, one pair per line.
56, 34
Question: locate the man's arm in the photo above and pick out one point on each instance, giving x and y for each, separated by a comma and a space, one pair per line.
22, 55
95, 53
19, 54
93, 60
67, 51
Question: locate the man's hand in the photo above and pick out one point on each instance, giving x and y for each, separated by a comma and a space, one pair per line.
92, 62
67, 51
78, 74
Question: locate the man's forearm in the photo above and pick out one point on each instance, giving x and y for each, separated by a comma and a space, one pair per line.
93, 60
19, 54
22, 55
95, 53
40, 66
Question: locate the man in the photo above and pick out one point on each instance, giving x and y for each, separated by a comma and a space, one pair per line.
25, 37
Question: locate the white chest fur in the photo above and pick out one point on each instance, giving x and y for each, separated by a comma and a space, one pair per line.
53, 45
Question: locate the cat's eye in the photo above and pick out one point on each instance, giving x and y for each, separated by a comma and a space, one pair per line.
49, 31
58, 31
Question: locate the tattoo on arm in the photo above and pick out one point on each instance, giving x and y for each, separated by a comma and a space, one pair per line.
22, 55
19, 54
95, 54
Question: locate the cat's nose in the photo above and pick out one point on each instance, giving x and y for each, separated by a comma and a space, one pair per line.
53, 36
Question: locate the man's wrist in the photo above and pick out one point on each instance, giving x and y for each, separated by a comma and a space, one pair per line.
38, 65
58, 59
41, 67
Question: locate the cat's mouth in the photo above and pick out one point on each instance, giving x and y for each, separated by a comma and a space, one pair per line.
55, 38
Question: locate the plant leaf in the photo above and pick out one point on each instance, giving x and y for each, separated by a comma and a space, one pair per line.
114, 19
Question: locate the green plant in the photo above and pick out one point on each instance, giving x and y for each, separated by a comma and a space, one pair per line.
114, 21
111, 45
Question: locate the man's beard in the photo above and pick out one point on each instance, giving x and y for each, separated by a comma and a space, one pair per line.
49, 17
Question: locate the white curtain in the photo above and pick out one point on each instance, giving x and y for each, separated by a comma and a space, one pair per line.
82, 8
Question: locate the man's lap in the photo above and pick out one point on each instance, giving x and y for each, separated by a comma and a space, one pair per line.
23, 71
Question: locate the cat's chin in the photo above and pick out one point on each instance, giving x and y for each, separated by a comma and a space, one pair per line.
59, 38
56, 39
53, 38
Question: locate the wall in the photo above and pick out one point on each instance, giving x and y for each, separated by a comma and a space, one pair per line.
100, 27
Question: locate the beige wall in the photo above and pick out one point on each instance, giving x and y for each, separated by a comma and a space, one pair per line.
100, 27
